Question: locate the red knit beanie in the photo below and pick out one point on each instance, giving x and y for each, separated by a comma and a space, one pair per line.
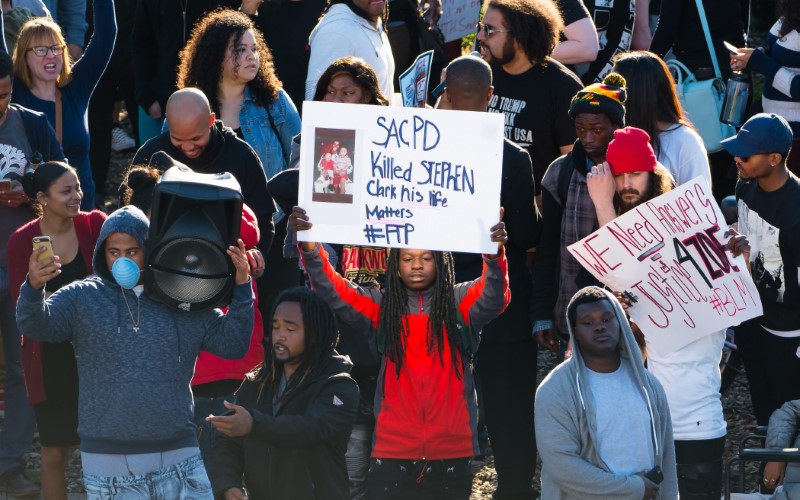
630, 151
248, 231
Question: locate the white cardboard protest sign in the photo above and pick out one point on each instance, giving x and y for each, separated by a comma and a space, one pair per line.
459, 18
417, 178
669, 255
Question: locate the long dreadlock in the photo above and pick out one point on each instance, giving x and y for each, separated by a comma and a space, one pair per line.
441, 319
359, 11
321, 336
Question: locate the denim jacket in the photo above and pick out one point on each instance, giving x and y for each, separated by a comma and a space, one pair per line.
254, 120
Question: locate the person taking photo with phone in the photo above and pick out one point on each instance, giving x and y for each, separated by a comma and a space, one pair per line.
136, 357
51, 374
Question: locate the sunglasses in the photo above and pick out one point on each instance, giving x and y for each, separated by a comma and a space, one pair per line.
488, 30
745, 159
41, 50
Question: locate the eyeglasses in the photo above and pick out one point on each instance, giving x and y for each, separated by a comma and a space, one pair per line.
41, 50
488, 30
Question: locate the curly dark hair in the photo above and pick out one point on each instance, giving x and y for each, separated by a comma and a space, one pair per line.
359, 12
535, 24
651, 93
361, 72
788, 11
202, 57
442, 324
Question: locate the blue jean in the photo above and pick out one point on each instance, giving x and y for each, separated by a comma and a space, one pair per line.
184, 480
17, 433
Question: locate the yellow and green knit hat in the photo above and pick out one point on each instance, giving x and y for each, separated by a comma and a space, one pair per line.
602, 98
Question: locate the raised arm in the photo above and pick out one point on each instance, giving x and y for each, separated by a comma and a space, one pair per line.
89, 68
228, 335
41, 318
485, 298
354, 305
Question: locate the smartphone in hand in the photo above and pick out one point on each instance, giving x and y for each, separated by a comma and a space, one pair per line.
655, 475
39, 241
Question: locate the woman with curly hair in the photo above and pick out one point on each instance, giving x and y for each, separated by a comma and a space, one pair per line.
778, 61
227, 58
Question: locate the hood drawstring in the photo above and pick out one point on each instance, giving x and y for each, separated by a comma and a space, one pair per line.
652, 423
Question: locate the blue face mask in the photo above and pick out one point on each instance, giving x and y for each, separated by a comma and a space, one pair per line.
126, 272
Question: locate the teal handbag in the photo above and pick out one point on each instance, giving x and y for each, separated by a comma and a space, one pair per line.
702, 103
702, 100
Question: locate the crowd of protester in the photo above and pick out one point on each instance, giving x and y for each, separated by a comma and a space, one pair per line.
345, 371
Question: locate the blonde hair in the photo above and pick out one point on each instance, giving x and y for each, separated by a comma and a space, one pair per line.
36, 30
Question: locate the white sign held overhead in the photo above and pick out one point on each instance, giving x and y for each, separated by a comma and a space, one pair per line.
400, 177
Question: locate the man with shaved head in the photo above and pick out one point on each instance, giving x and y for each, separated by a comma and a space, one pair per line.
506, 360
197, 139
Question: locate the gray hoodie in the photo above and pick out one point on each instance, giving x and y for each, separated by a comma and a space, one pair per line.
566, 427
782, 430
134, 387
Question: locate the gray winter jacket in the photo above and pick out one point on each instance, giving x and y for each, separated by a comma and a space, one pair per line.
566, 427
782, 429
134, 394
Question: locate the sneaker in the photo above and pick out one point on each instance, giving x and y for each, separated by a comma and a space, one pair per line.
15, 484
120, 141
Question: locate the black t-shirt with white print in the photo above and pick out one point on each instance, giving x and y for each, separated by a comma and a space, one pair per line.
535, 104
772, 225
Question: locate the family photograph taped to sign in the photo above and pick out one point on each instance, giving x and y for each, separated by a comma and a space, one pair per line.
668, 257
400, 177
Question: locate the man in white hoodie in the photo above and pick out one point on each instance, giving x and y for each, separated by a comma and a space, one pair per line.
352, 28
602, 421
